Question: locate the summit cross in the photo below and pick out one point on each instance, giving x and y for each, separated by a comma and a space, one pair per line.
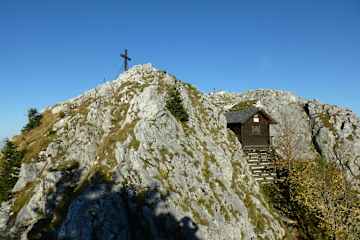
126, 59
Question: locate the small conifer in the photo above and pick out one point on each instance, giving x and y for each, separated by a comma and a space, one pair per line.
10, 163
175, 106
34, 120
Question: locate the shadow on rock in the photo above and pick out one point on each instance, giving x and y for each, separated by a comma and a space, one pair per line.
102, 211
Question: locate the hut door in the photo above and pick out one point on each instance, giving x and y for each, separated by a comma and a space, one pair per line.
256, 133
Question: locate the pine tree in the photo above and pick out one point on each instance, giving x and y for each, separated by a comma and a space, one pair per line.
10, 163
34, 120
175, 106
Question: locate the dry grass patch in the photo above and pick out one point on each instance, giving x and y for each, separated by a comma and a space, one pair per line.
22, 198
243, 105
37, 139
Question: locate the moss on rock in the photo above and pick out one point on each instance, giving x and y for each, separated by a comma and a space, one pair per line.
243, 105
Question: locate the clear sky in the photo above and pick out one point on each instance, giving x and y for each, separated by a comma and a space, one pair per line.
54, 50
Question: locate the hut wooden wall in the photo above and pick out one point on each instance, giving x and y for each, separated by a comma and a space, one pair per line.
247, 136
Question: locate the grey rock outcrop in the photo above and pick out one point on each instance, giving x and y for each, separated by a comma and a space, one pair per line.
336, 135
123, 131
28, 173
116, 164
319, 129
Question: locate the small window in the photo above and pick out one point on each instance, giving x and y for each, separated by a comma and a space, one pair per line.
256, 118
256, 130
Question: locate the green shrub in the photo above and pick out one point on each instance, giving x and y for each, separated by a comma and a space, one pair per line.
10, 163
62, 115
319, 198
175, 106
34, 120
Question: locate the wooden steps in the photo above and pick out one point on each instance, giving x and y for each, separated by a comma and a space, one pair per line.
260, 161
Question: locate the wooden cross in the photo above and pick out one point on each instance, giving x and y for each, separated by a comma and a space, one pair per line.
126, 59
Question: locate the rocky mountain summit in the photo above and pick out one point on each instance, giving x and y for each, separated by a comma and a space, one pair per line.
115, 163
318, 129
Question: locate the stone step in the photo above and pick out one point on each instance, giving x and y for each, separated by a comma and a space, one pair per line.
257, 152
264, 177
262, 168
263, 171
252, 158
258, 166
260, 163
265, 174
261, 180
264, 160
270, 178
255, 167
265, 182
258, 155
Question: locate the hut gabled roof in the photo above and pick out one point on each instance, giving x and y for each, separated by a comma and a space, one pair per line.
246, 114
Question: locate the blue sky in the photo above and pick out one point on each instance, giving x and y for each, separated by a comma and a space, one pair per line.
54, 50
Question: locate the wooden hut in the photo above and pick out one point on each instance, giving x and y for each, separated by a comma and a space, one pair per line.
252, 126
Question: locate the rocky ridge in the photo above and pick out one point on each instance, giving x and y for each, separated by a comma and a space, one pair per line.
117, 147
114, 163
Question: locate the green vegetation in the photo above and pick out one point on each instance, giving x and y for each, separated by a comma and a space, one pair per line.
224, 212
196, 100
221, 184
83, 108
10, 162
175, 106
32, 142
188, 151
326, 120
164, 153
62, 114
243, 105
207, 204
118, 134
350, 138
191, 87
35, 137
256, 218
22, 198
34, 119
207, 174
317, 196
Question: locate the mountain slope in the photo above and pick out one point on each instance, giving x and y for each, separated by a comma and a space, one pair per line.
114, 163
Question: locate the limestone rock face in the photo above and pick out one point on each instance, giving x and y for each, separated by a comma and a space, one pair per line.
319, 129
336, 135
114, 163
28, 173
